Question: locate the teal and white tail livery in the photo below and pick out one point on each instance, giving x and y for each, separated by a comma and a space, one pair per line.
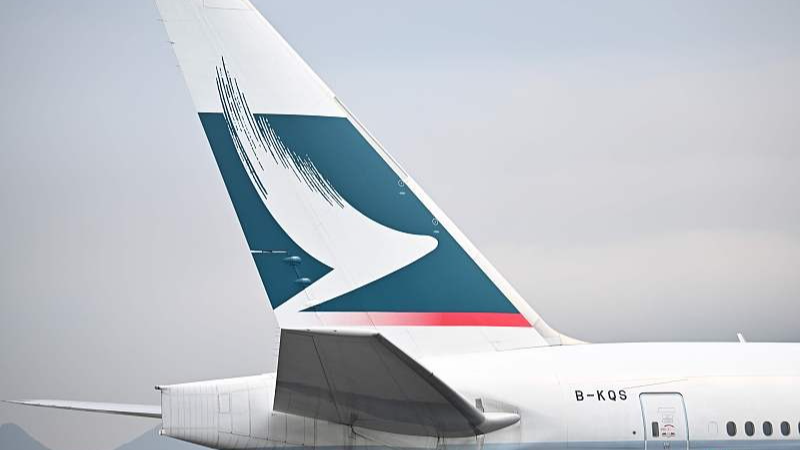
340, 233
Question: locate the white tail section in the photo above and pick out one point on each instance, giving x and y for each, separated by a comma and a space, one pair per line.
340, 234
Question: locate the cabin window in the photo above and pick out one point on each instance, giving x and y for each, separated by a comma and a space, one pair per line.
785, 428
731, 428
749, 428
767, 428
654, 426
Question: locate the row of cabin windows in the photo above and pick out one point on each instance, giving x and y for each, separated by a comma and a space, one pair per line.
766, 428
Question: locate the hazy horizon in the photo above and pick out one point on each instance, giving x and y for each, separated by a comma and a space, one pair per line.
631, 168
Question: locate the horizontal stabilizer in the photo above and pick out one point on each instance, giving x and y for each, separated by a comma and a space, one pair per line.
124, 409
362, 379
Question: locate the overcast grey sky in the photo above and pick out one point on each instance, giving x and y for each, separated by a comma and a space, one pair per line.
632, 167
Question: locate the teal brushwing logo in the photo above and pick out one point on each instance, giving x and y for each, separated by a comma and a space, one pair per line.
330, 225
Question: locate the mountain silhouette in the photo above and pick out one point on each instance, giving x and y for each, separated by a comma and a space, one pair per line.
12, 437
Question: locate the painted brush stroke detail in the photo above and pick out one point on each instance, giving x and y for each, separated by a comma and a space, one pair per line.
255, 132
309, 209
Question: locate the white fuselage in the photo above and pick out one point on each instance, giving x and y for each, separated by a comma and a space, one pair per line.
601, 396
587, 396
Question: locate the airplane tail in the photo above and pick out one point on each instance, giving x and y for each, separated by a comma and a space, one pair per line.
340, 234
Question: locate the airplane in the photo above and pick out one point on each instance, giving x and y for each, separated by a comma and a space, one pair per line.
395, 331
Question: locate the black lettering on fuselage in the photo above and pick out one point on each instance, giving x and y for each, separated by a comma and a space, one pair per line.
602, 395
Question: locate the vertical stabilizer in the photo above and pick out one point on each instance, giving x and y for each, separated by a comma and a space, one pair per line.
341, 235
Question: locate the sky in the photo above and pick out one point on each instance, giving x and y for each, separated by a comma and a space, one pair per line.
631, 168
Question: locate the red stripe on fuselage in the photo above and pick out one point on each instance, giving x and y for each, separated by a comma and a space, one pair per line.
457, 319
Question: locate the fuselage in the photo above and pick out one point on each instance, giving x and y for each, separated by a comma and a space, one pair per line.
662, 395
594, 396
